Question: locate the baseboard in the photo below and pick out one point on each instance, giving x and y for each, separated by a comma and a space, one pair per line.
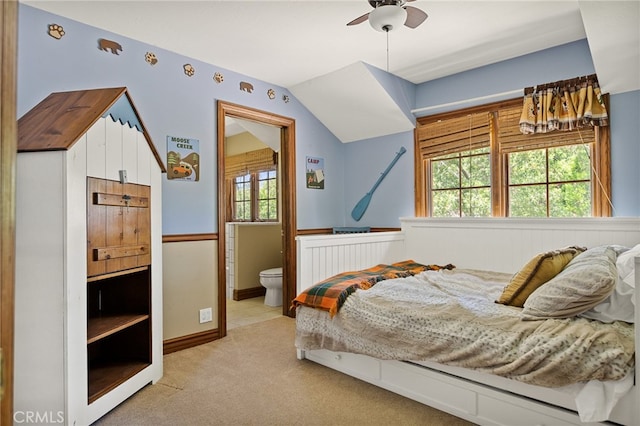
249, 293
184, 342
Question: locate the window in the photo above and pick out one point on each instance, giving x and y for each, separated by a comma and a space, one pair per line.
255, 197
242, 198
252, 179
267, 196
476, 162
461, 184
554, 182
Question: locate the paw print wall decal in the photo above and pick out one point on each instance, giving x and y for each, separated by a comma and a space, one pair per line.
285, 98
218, 78
150, 58
271, 94
189, 70
56, 31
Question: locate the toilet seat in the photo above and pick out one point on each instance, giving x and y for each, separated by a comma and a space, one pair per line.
273, 272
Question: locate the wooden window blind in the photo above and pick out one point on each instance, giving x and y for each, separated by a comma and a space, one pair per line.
455, 134
250, 162
512, 140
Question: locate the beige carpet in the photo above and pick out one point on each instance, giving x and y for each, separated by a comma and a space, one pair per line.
252, 377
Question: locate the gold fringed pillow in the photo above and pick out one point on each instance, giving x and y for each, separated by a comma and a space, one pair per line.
536, 272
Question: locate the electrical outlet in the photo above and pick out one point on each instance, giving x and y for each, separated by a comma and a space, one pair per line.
206, 315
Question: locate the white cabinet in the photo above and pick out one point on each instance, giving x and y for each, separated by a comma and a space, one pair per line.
74, 325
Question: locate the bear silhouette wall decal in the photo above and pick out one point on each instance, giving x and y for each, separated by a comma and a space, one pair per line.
246, 87
109, 45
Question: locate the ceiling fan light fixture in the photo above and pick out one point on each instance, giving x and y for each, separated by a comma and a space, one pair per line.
386, 18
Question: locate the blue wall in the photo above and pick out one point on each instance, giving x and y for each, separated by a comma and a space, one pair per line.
558, 63
625, 153
505, 79
365, 161
170, 103
173, 104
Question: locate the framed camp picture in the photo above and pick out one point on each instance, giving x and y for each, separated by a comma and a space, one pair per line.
315, 172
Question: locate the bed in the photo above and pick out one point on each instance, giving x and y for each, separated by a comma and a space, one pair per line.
479, 384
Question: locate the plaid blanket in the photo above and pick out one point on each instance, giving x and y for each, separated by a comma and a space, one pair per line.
330, 294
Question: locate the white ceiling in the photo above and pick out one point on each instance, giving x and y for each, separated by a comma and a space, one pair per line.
353, 104
269, 135
289, 42
292, 42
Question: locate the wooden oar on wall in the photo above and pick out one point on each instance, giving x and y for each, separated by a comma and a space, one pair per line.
362, 205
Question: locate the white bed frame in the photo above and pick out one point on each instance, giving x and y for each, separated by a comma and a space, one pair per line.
502, 245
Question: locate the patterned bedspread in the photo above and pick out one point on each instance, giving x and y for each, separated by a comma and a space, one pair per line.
330, 294
450, 317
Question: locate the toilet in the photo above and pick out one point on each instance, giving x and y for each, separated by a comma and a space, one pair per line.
271, 279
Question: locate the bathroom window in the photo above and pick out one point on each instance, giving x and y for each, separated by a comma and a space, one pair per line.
267, 196
242, 198
255, 197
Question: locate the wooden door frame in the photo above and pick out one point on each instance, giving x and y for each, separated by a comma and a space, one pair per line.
8, 147
288, 210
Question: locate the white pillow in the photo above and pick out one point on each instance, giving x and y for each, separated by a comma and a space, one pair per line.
583, 284
620, 305
626, 265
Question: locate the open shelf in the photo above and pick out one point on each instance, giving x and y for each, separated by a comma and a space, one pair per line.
118, 328
105, 377
99, 328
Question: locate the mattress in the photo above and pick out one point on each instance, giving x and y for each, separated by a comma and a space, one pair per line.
450, 317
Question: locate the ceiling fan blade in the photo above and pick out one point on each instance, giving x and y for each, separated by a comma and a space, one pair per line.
415, 16
359, 20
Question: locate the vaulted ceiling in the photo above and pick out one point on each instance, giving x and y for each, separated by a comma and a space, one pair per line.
291, 43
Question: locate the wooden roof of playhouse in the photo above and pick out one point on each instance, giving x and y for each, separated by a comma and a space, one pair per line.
62, 118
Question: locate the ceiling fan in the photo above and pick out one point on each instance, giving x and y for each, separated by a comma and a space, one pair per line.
388, 15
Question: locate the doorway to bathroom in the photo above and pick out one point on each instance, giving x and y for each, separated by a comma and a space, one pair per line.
253, 231
256, 150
